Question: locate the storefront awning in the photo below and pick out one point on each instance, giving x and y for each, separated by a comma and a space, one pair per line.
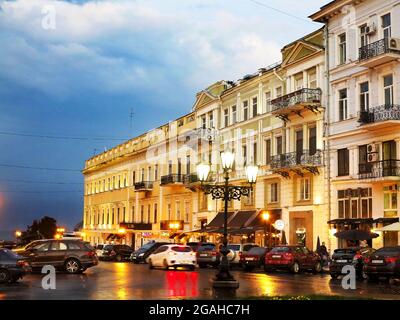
218, 221
351, 221
240, 219
386, 220
257, 222
391, 227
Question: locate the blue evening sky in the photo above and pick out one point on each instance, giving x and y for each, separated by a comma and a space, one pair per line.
104, 58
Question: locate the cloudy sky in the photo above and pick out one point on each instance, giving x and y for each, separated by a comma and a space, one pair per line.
81, 79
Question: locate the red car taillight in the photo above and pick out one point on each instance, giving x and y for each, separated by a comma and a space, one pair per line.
287, 256
367, 260
391, 260
214, 253
22, 263
91, 253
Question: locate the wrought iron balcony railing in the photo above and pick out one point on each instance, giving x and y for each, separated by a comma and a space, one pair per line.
143, 185
380, 113
171, 178
374, 49
297, 159
190, 178
302, 96
379, 169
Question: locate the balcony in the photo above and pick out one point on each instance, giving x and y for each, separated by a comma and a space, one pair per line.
385, 115
384, 169
171, 179
377, 53
295, 102
208, 134
144, 186
297, 162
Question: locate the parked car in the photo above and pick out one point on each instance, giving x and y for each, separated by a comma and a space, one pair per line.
236, 250
207, 254
71, 256
12, 266
141, 255
254, 258
293, 258
349, 256
116, 252
384, 262
173, 255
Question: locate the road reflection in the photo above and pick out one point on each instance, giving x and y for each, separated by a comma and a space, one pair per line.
182, 284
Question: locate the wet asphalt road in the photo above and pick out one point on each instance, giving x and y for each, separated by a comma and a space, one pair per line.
127, 281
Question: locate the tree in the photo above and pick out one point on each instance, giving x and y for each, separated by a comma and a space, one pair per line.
45, 228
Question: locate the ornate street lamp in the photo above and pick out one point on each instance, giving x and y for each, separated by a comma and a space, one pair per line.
265, 216
224, 280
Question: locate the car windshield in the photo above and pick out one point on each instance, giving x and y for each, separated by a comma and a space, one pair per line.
257, 250
234, 247
247, 247
346, 251
206, 248
388, 251
280, 249
146, 247
181, 249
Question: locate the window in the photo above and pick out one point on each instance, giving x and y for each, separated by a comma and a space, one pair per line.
133, 219
342, 49
343, 105
364, 96
304, 189
249, 201
112, 216
364, 38
279, 146
387, 26
363, 165
178, 210
169, 211
278, 92
133, 177
268, 101
211, 119
226, 117
142, 175
255, 159
343, 162
156, 172
267, 151
187, 211
187, 164
124, 214
142, 213
390, 200
273, 194
234, 115
312, 78
169, 166
254, 104
312, 140
245, 110
149, 173
155, 212
355, 203
298, 81
203, 122
149, 213
388, 89
244, 155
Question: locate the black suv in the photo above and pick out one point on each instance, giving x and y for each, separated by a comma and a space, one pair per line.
116, 252
141, 254
71, 256
349, 256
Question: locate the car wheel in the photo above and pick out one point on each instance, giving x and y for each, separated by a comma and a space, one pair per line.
362, 275
317, 267
72, 266
4, 276
118, 258
295, 268
334, 276
165, 263
151, 264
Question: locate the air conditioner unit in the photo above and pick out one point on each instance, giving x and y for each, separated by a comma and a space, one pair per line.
370, 29
394, 44
372, 148
373, 157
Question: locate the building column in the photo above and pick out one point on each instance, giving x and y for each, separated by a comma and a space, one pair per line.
353, 155
305, 136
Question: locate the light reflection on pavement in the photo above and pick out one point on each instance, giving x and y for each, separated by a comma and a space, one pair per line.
125, 281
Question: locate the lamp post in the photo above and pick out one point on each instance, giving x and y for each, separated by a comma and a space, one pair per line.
265, 217
223, 279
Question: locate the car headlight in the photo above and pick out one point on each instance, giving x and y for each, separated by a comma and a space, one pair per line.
141, 255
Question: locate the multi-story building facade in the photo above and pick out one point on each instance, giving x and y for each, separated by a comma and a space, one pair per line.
363, 123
